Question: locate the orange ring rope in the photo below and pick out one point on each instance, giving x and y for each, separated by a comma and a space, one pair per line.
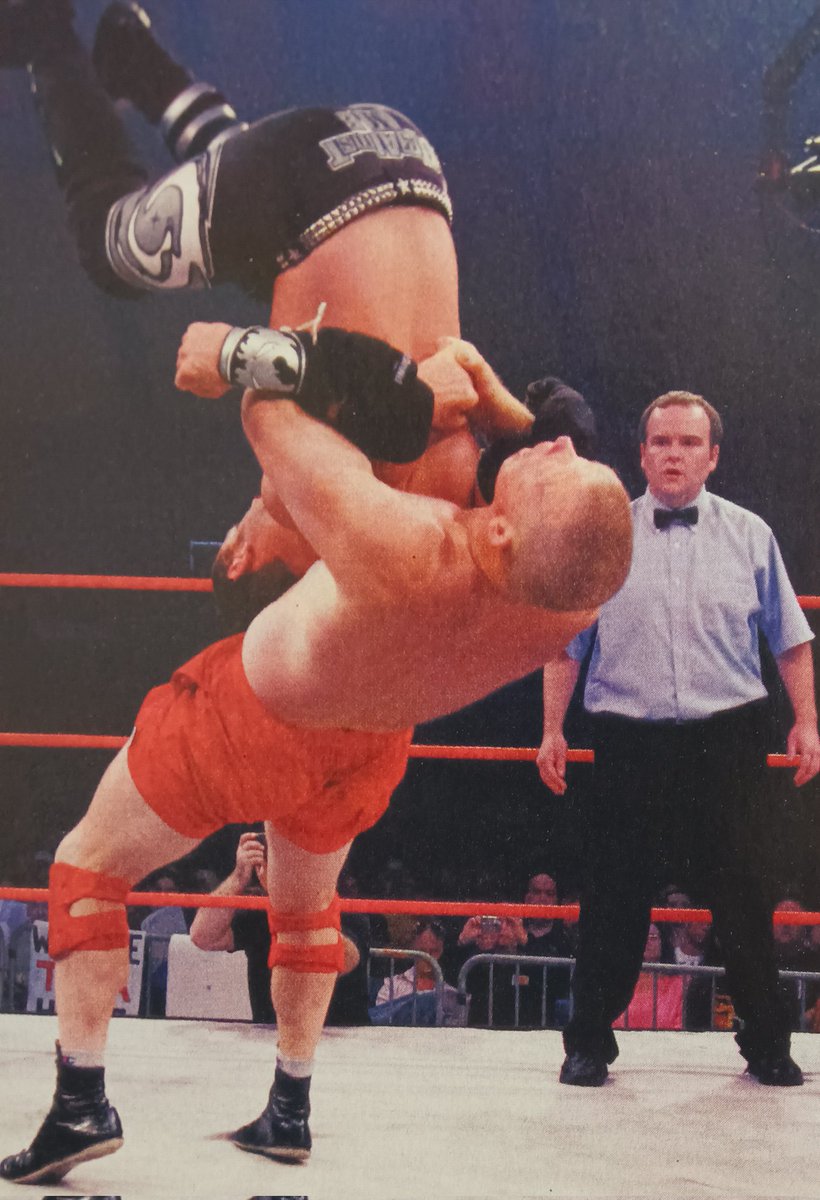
90, 741
56, 741
159, 583
128, 583
415, 908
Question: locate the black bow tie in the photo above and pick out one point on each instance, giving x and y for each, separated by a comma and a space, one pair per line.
664, 517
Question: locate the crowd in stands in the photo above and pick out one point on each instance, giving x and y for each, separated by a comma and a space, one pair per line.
504, 989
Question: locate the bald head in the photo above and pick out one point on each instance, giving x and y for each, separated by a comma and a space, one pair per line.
571, 542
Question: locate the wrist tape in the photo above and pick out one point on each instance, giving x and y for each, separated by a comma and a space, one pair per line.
362, 387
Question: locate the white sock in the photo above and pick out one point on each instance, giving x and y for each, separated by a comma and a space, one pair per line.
297, 1068
83, 1058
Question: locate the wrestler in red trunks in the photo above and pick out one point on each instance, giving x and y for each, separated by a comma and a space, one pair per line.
415, 607
205, 753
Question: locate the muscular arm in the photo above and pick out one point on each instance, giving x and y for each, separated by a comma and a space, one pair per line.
560, 678
797, 672
365, 532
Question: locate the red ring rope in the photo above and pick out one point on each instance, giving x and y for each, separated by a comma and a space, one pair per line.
129, 583
90, 741
159, 583
415, 908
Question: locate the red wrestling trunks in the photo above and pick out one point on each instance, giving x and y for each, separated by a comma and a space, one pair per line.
206, 753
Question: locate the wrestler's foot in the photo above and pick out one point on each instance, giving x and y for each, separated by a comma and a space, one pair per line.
29, 27
79, 1127
132, 65
282, 1130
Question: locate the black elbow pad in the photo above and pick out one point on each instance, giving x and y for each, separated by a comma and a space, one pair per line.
368, 391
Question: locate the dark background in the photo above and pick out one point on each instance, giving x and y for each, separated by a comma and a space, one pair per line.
602, 157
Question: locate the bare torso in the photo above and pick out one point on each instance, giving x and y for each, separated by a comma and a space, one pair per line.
322, 657
391, 274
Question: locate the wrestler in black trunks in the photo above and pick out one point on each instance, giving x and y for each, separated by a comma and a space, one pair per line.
244, 203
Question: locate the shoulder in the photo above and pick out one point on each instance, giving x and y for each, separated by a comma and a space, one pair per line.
735, 514
740, 526
433, 545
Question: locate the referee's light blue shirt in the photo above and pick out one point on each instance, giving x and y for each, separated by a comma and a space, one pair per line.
679, 641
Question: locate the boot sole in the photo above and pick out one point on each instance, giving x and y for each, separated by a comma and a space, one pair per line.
286, 1154
585, 1083
56, 1170
773, 1082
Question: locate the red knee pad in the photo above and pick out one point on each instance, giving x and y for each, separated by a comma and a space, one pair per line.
93, 931
314, 960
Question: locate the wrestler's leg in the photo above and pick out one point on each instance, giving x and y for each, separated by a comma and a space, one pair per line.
118, 836
96, 166
92, 156
302, 889
303, 883
117, 842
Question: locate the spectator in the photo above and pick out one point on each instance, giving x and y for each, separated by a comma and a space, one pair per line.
394, 1002
165, 920
657, 1002
247, 930
493, 935
689, 941
692, 944
159, 926
395, 882
546, 938
672, 896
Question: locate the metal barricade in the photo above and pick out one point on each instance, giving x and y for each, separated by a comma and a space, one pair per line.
493, 960
417, 956
156, 954
802, 978
17, 967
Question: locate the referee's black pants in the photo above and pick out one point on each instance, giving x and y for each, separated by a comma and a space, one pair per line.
686, 803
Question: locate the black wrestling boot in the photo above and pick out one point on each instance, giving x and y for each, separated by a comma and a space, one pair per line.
775, 1069
80, 1126
26, 25
282, 1130
132, 65
583, 1070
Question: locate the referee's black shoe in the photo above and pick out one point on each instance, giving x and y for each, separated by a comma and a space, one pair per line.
583, 1069
776, 1069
